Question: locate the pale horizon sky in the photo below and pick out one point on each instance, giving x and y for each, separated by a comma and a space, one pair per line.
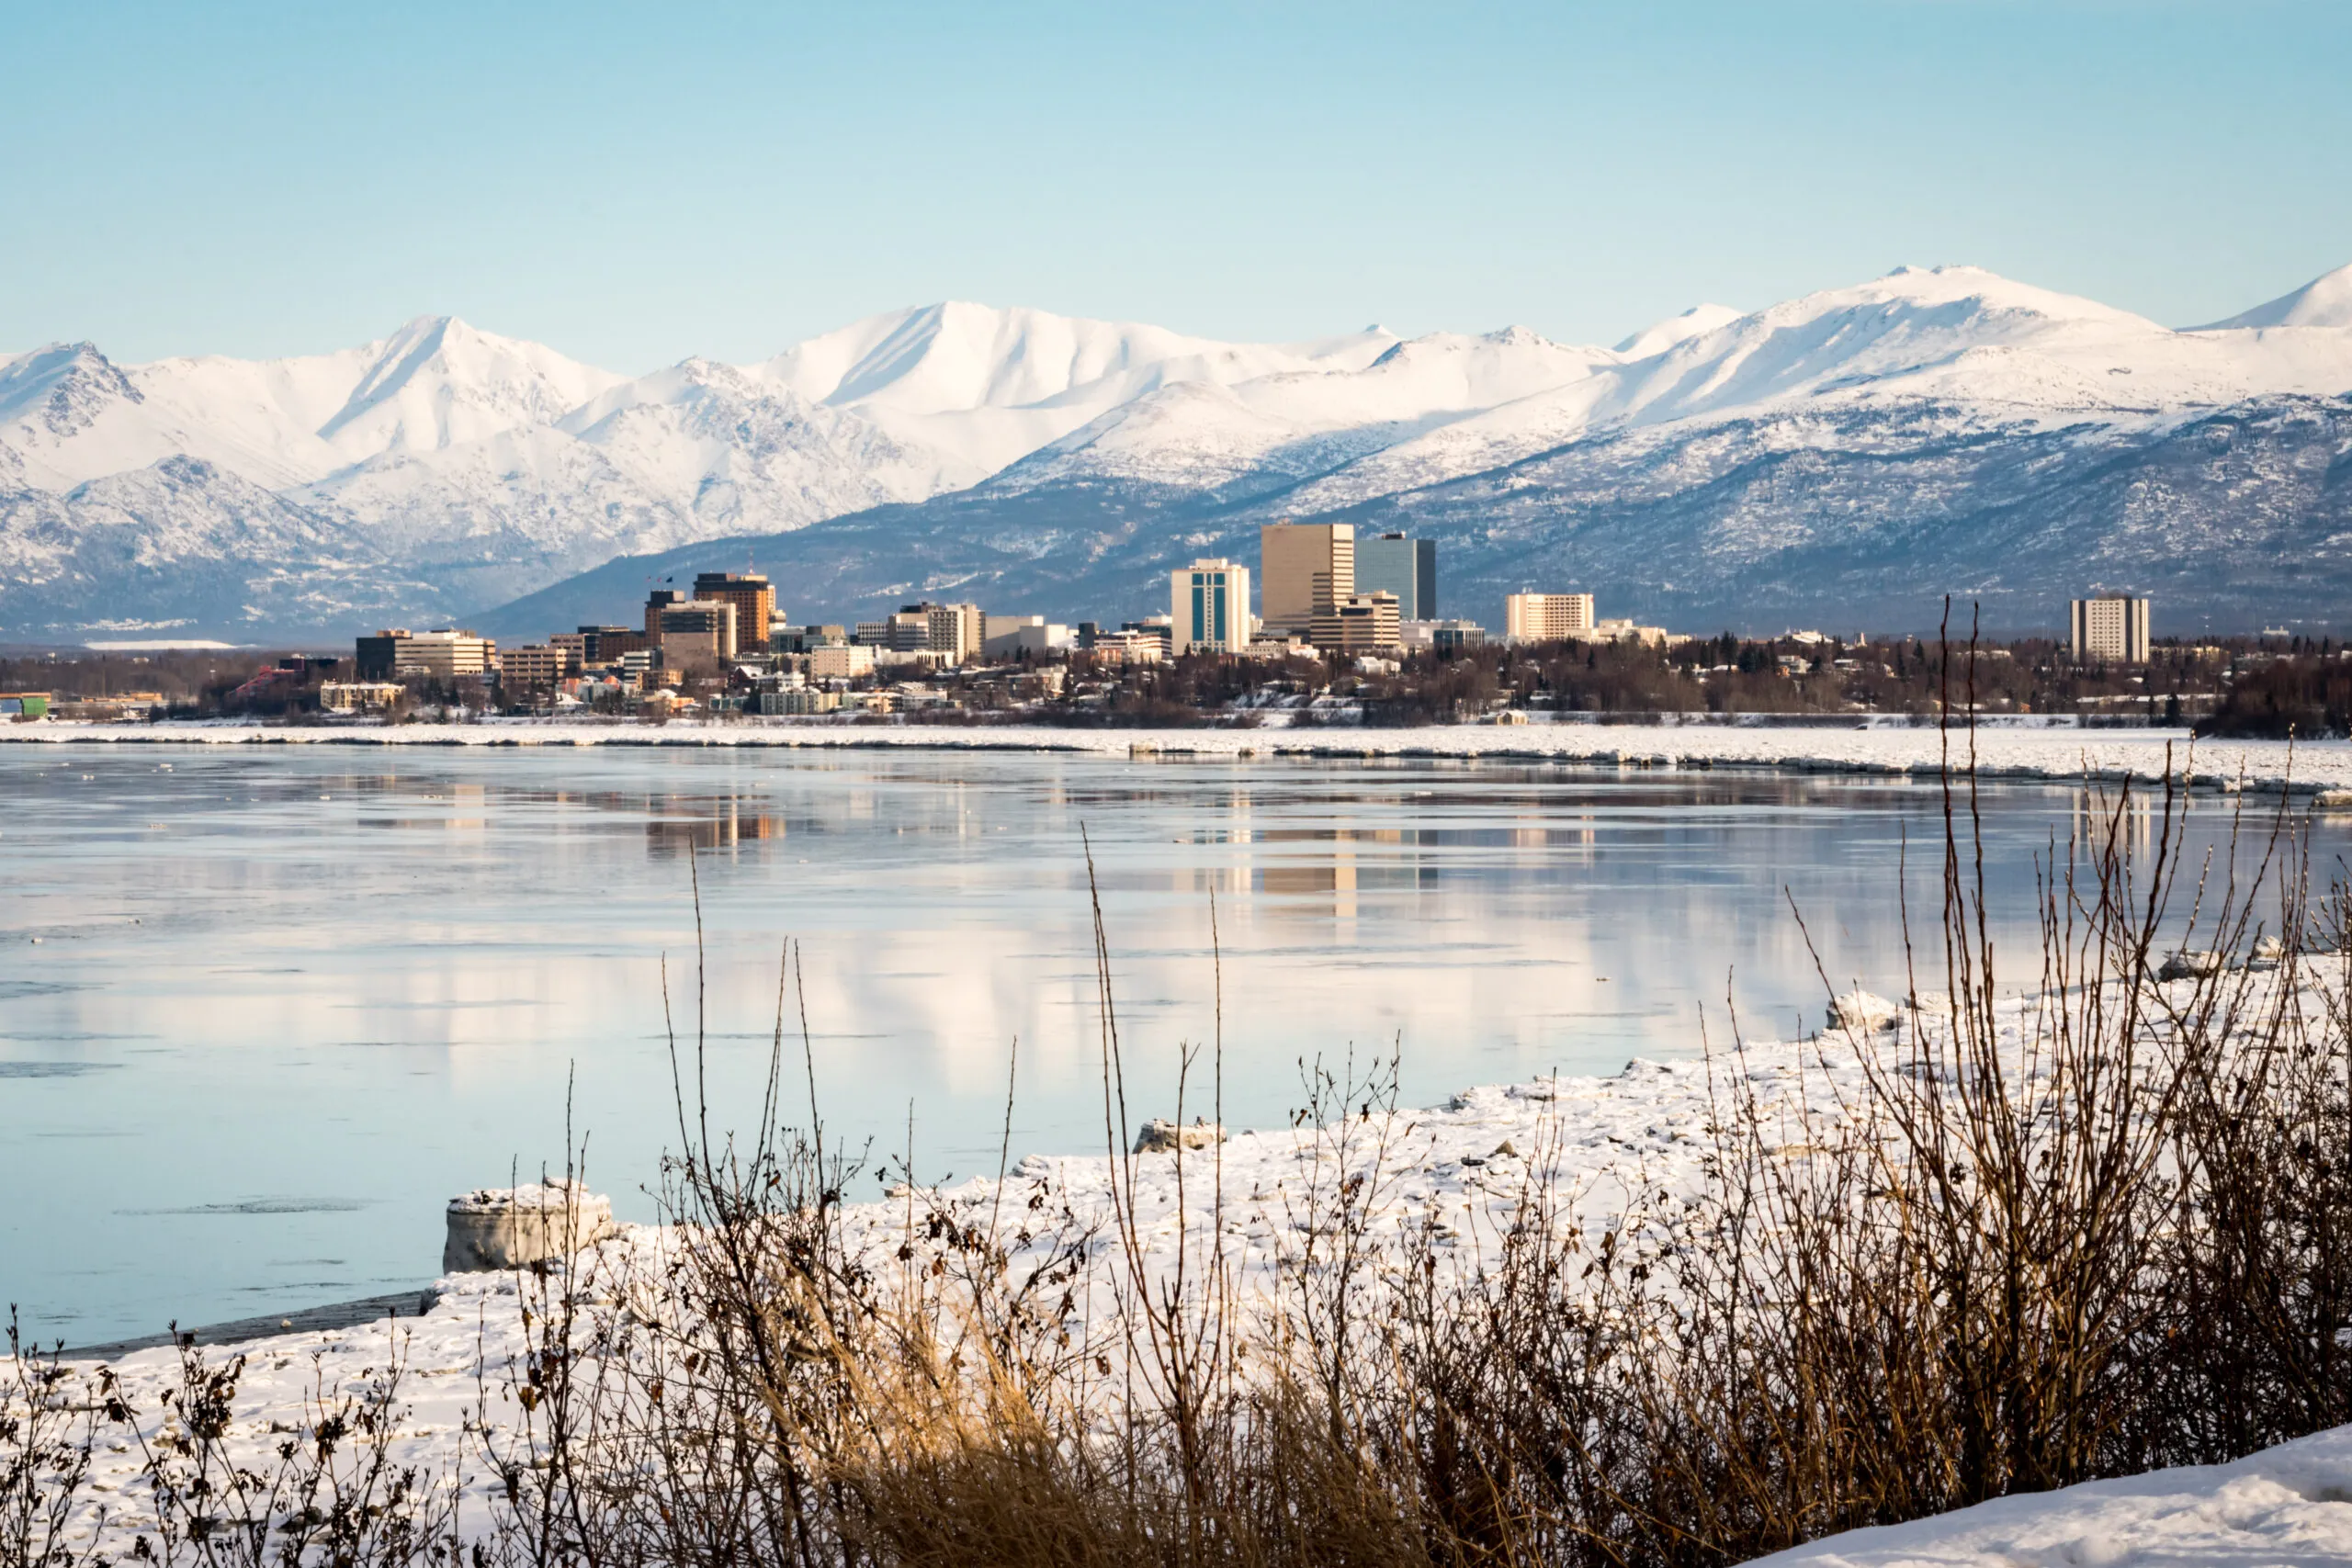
631, 186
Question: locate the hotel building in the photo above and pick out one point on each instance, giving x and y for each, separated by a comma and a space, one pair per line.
1547, 617
1209, 603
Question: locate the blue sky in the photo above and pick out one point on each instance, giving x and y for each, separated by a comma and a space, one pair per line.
634, 184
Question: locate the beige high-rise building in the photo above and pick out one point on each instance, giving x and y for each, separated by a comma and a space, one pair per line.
2113, 627
1547, 617
1305, 569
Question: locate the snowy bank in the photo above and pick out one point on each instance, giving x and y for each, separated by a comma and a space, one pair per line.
2285, 1507
1459, 1174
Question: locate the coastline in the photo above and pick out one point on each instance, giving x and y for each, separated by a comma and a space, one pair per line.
2320, 771
1459, 1172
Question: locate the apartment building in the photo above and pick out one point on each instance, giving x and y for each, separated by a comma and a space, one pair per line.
1210, 601
1305, 569
2111, 627
1547, 617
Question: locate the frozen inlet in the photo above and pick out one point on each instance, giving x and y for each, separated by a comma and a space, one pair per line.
506, 1227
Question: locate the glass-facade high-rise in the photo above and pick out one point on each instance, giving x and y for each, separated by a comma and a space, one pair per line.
1391, 563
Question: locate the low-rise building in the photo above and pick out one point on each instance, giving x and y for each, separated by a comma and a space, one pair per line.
840, 662
1016, 637
800, 639
1129, 648
446, 654
112, 709
358, 696
535, 666
604, 645
797, 702
1547, 617
1627, 631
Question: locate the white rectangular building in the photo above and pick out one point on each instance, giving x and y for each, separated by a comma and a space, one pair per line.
1209, 608
1011, 636
1547, 617
841, 661
2111, 627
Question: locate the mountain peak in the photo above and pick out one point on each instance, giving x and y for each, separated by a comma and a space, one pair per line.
439, 379
61, 386
1696, 321
2324, 301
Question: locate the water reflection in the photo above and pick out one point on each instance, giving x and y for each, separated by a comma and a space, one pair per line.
266, 976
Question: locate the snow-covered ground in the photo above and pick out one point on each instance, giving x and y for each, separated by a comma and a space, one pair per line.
1878, 748
1458, 1172
2286, 1508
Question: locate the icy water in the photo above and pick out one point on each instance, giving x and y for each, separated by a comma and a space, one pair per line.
267, 1008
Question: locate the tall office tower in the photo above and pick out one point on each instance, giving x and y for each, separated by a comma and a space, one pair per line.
656, 602
1547, 617
754, 603
1305, 569
2111, 627
1209, 602
1407, 567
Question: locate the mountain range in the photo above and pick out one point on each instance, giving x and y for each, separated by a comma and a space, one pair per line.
1844, 458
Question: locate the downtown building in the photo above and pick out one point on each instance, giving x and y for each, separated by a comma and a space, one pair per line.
1359, 624
1209, 608
1392, 563
754, 601
536, 666
694, 631
1547, 617
954, 633
1305, 569
446, 654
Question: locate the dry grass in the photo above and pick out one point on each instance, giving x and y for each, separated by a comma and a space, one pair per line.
2109, 1231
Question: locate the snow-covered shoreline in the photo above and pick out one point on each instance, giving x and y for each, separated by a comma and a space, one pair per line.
2319, 768
1459, 1172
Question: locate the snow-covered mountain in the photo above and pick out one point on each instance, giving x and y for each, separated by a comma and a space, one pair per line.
1858, 450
